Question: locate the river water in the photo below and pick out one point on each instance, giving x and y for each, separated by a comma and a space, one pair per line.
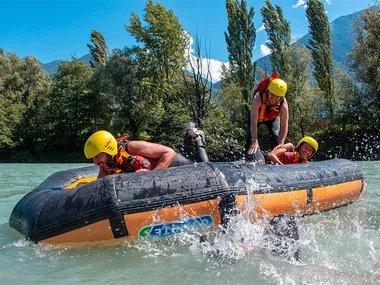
341, 246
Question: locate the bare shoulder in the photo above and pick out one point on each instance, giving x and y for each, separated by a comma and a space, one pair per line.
256, 99
285, 103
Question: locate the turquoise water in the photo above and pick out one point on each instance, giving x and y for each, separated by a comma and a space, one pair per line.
341, 246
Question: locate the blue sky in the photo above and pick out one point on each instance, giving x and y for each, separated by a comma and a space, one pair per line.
57, 29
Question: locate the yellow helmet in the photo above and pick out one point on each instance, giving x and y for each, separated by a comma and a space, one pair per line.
278, 87
312, 142
101, 141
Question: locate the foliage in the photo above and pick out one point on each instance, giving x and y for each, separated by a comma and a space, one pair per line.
161, 58
321, 48
365, 64
133, 105
11, 89
37, 85
224, 138
351, 109
240, 40
67, 121
302, 98
99, 49
278, 31
163, 40
23, 89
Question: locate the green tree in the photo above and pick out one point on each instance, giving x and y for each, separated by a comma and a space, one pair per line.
99, 49
161, 58
232, 103
99, 104
135, 107
278, 31
23, 89
37, 85
321, 49
11, 90
240, 40
365, 62
163, 40
302, 98
68, 124
351, 109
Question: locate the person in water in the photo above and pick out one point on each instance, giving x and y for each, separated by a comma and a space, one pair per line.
270, 108
288, 154
121, 155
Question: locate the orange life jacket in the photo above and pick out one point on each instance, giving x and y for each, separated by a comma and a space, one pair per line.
125, 162
271, 112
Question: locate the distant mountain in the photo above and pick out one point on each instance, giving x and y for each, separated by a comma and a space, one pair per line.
52, 67
342, 38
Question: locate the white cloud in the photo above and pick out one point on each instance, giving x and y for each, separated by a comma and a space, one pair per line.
262, 28
215, 65
299, 3
328, 2
264, 50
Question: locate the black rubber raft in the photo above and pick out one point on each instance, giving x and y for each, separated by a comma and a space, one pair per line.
73, 207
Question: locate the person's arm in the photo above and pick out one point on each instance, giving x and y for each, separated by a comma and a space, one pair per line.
256, 103
273, 155
163, 154
284, 118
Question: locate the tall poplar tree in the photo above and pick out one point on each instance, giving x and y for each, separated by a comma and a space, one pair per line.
321, 50
240, 39
279, 36
365, 63
99, 49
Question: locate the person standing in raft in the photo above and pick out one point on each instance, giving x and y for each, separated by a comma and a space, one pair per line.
287, 154
269, 107
121, 155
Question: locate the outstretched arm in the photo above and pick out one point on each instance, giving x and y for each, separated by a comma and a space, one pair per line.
273, 156
256, 103
163, 154
284, 118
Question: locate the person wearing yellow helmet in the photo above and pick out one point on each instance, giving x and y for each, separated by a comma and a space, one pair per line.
115, 156
269, 107
288, 154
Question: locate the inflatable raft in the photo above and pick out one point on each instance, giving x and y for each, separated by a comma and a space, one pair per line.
73, 207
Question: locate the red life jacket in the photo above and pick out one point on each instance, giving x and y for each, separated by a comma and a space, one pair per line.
125, 162
291, 157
